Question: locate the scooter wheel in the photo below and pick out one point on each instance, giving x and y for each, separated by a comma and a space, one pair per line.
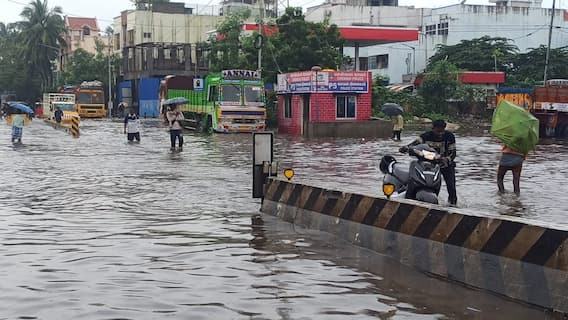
427, 196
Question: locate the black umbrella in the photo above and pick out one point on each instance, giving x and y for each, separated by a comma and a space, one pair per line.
175, 101
392, 109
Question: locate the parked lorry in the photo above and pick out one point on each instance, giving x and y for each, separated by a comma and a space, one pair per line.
230, 101
89, 97
548, 103
63, 101
550, 106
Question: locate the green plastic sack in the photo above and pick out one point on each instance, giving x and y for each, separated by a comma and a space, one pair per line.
515, 127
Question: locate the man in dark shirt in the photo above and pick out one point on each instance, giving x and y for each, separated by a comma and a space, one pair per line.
445, 144
58, 115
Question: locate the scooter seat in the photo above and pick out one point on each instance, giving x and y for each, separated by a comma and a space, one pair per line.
400, 172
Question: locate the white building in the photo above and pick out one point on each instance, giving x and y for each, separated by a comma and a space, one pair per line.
522, 21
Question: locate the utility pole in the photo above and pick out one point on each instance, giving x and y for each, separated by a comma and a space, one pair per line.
109, 105
546, 62
261, 41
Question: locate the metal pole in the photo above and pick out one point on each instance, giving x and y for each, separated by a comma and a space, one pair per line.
547, 60
260, 22
109, 106
413, 60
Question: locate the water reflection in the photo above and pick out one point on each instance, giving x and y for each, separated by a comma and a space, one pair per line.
96, 228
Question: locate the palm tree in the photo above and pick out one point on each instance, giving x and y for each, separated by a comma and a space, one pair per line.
42, 37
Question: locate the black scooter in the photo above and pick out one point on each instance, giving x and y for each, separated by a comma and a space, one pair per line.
420, 181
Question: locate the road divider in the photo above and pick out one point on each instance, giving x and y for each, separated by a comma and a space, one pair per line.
528, 263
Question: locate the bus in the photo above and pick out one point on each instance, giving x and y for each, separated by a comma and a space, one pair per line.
89, 97
227, 102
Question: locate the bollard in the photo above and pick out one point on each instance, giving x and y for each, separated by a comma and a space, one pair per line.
75, 127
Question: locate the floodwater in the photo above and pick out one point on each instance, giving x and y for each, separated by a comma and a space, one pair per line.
95, 228
353, 165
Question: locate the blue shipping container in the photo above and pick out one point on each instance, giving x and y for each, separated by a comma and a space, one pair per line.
149, 108
125, 92
148, 89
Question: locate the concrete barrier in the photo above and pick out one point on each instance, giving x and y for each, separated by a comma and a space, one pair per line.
524, 262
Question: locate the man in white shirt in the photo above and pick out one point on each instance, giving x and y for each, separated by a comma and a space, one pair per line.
132, 126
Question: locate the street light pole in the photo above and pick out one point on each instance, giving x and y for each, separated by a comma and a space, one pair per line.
413, 57
547, 59
316, 69
109, 106
59, 58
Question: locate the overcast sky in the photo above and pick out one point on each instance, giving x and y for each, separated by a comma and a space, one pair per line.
106, 10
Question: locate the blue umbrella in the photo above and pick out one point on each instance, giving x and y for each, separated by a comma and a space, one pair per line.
175, 101
22, 107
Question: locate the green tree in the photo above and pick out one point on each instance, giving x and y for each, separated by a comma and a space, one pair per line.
439, 86
225, 50
15, 75
480, 54
300, 44
528, 68
85, 66
42, 34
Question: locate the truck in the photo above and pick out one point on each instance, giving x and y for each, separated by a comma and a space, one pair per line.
64, 101
550, 106
231, 101
89, 97
548, 103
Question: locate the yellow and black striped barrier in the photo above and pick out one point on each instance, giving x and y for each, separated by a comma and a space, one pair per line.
75, 127
514, 259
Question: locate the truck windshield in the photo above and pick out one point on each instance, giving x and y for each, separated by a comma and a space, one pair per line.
90, 97
253, 94
231, 93
65, 107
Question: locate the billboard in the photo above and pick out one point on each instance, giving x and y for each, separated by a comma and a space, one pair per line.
326, 81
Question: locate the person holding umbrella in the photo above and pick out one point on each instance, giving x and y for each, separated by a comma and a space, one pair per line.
511, 159
518, 131
394, 111
174, 118
18, 123
398, 124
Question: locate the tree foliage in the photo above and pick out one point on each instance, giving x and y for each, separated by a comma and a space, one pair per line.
226, 48
85, 66
298, 45
42, 34
480, 54
439, 86
16, 75
528, 68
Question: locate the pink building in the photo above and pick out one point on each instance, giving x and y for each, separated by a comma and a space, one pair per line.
328, 103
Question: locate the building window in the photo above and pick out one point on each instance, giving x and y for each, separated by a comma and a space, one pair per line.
382, 61
379, 62
346, 106
363, 63
130, 37
147, 35
443, 29
86, 31
431, 29
287, 106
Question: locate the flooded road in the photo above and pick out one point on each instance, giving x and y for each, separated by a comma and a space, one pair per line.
95, 228
353, 165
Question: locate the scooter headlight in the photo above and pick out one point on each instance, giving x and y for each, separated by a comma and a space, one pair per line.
388, 189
